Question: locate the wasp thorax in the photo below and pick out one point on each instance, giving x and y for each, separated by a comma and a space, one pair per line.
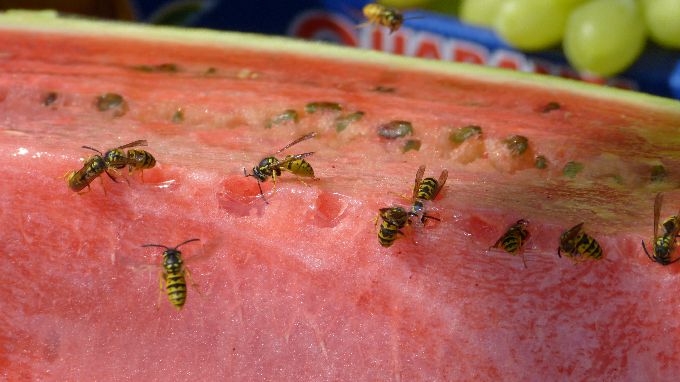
116, 158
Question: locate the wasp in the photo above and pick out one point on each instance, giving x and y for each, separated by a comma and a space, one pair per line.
173, 274
272, 167
92, 168
426, 189
577, 244
395, 218
382, 15
665, 244
134, 159
514, 238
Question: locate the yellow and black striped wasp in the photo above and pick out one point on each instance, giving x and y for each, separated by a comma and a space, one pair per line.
134, 159
272, 167
578, 245
426, 189
396, 217
95, 165
393, 220
379, 14
513, 239
92, 168
664, 245
174, 274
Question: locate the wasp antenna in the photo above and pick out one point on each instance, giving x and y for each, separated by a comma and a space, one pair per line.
245, 173
155, 245
93, 149
185, 242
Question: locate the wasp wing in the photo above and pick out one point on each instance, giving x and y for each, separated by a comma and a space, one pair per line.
141, 142
419, 178
574, 231
295, 142
440, 183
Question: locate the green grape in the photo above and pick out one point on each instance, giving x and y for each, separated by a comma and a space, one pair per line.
604, 37
449, 7
480, 12
532, 24
663, 21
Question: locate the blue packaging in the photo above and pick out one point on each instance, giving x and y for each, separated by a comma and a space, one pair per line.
428, 35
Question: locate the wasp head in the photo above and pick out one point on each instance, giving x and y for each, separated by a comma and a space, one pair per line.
394, 19
172, 259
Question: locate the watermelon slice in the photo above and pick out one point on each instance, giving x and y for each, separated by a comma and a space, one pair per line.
300, 288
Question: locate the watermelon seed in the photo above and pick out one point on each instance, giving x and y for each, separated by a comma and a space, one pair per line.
541, 162
384, 89
517, 144
210, 71
342, 122
462, 134
162, 68
395, 129
411, 144
550, 106
288, 115
50, 98
110, 101
658, 173
178, 117
572, 168
313, 107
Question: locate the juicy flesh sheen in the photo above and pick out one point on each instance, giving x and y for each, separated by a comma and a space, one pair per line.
300, 289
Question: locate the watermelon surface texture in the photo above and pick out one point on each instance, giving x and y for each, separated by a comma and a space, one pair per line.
300, 289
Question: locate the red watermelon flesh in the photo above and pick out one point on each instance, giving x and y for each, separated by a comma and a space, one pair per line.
300, 289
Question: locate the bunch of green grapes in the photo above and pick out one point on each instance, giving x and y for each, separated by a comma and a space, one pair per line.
601, 37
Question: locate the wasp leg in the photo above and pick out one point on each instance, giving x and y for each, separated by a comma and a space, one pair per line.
524, 261
644, 247
425, 217
117, 173
303, 182
131, 170
191, 281
558, 252
261, 193
102, 182
674, 261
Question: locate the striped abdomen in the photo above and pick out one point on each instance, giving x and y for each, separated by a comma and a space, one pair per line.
663, 248
176, 288
394, 219
588, 247
514, 238
387, 233
300, 167
140, 160
92, 168
427, 188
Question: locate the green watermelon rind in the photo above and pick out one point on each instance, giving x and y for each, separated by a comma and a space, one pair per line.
50, 21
